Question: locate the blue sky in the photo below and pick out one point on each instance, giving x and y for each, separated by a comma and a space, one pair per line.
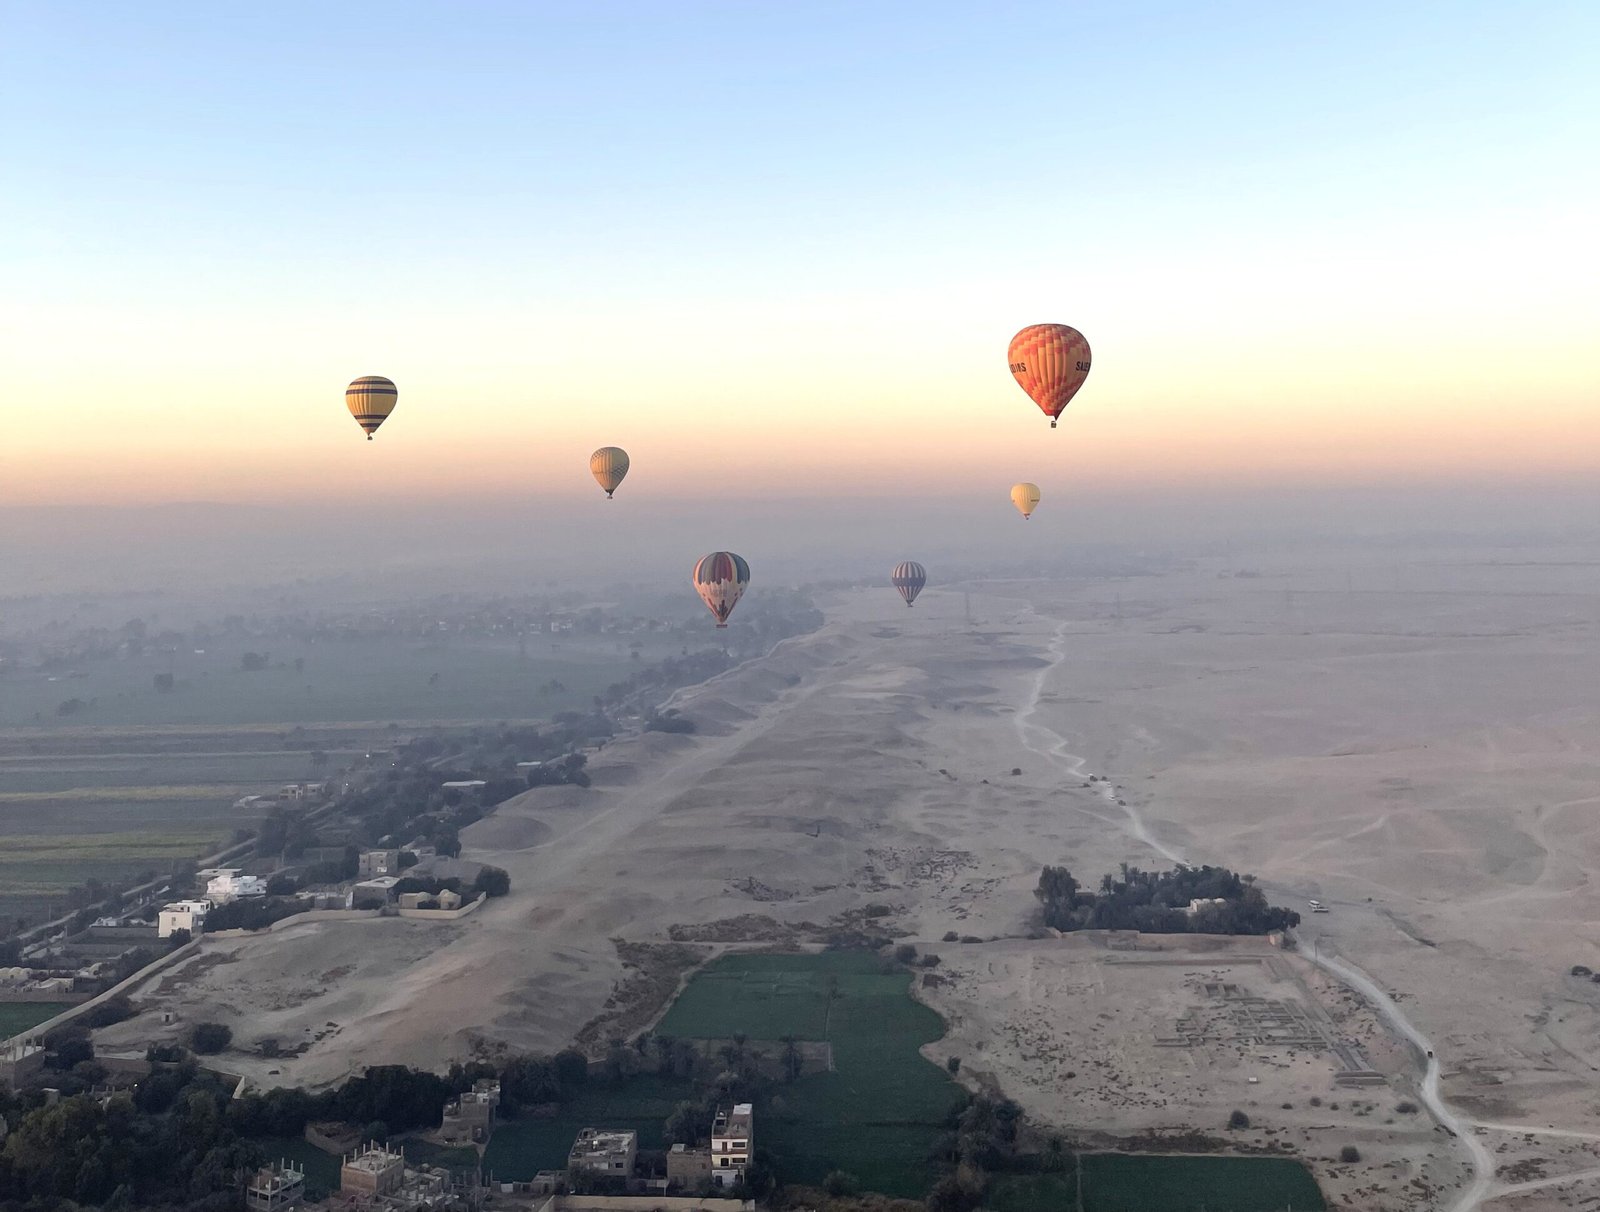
511, 185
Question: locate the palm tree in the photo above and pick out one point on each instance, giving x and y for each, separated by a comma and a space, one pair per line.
792, 1060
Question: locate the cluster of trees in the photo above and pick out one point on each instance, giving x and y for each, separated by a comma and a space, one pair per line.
981, 1138
169, 1144
256, 913
180, 1141
1157, 902
492, 880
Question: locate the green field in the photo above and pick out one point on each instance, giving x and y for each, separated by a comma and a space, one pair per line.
879, 1112
322, 1169
1137, 1182
375, 679
67, 818
17, 1017
521, 1148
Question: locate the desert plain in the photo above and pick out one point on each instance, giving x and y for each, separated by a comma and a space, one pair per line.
1410, 736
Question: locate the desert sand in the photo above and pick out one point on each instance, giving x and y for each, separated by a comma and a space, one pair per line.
1415, 740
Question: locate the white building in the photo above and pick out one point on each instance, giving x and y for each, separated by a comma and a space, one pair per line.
1205, 902
229, 885
182, 915
733, 1141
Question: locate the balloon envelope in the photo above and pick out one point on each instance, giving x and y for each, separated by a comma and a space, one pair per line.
370, 400
720, 579
909, 578
1049, 362
608, 465
1025, 497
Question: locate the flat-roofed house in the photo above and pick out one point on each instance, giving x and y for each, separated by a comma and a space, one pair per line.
733, 1143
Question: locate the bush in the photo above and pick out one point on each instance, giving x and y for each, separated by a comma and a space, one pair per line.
953, 1064
838, 1183
1349, 1155
1016, 770
1406, 1108
1238, 1120
905, 953
930, 961
1580, 970
493, 880
950, 936
209, 1038
108, 1012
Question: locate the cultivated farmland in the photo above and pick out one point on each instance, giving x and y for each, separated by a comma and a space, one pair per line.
879, 1111
17, 1017
1117, 1182
521, 1148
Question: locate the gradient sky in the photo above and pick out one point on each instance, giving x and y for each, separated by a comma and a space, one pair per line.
786, 244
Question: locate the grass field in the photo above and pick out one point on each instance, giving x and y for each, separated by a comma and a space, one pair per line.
69, 818
1135, 1182
521, 1148
357, 679
17, 1017
879, 1112
322, 1169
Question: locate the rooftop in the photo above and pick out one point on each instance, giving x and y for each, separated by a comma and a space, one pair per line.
602, 1142
376, 1158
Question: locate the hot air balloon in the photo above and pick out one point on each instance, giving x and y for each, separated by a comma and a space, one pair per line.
909, 578
719, 579
1025, 497
1050, 362
608, 465
370, 400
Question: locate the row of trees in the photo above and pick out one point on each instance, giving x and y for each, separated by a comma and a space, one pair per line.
1157, 902
179, 1140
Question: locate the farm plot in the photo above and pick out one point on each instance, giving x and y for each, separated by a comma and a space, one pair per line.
66, 819
377, 679
17, 1017
520, 1148
1133, 1182
878, 1113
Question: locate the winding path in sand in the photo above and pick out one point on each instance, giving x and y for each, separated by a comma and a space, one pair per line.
1054, 747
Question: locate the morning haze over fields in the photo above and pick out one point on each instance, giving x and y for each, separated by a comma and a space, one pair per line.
391, 823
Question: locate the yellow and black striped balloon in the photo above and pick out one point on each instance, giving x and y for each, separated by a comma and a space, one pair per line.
370, 400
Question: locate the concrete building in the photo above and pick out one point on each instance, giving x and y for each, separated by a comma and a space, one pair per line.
688, 1167
463, 785
274, 1188
302, 791
230, 884
374, 863
600, 1151
373, 893
1204, 902
733, 1141
374, 1170
21, 1060
182, 915
470, 1118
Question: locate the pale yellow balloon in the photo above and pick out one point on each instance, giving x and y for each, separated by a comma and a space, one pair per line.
1025, 497
608, 465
